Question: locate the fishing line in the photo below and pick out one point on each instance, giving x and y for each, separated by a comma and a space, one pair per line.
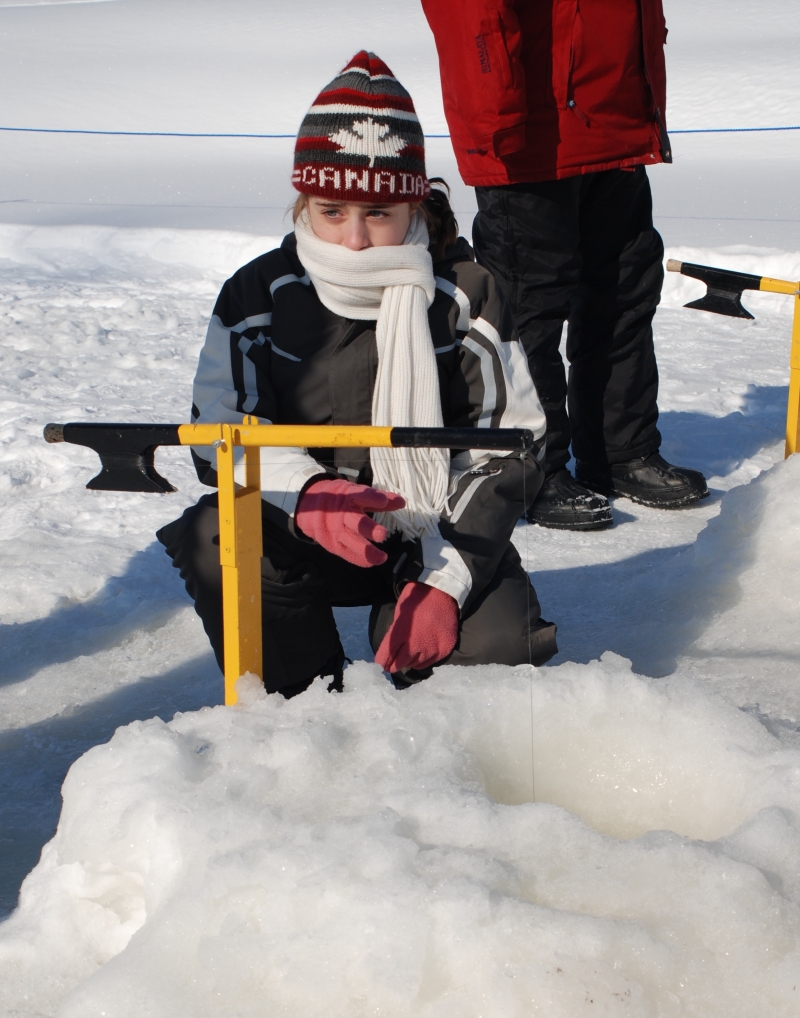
528, 601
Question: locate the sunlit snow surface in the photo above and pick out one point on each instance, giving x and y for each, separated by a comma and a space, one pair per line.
379, 852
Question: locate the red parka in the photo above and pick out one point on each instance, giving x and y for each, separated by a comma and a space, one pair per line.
543, 89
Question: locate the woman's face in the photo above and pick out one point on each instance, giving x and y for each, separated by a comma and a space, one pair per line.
359, 225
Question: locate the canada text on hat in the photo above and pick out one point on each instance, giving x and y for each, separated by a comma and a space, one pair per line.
362, 140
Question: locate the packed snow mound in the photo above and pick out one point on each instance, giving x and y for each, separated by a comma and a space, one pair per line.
378, 852
84, 250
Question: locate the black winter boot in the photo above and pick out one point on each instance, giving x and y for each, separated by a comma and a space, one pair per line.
563, 504
648, 480
335, 669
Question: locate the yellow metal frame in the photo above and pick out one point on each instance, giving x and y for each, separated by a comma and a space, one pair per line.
793, 410
240, 550
240, 540
251, 433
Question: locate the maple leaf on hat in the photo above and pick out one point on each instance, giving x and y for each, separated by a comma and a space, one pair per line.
369, 138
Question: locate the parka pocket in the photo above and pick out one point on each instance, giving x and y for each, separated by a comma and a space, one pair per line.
499, 44
567, 41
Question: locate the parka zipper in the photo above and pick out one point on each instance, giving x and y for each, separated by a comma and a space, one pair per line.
663, 138
571, 104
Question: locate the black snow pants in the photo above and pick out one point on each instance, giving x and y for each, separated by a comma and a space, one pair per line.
582, 250
301, 582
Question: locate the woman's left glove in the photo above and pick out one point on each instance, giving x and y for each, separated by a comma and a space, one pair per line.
333, 513
424, 629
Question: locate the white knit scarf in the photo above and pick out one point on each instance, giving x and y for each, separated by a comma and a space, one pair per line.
396, 286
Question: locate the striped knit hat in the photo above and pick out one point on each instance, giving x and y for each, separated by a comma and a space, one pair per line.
361, 140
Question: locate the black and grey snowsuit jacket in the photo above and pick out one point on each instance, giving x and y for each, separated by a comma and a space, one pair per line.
273, 350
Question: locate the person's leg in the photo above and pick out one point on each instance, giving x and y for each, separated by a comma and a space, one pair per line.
527, 236
613, 377
613, 380
504, 626
298, 585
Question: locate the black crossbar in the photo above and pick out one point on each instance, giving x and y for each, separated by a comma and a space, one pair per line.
127, 451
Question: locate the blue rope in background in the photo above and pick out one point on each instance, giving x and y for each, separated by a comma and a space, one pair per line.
731, 130
198, 134
144, 134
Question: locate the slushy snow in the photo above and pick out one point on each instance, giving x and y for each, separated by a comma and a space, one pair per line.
615, 833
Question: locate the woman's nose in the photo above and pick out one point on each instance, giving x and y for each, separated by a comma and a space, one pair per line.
356, 234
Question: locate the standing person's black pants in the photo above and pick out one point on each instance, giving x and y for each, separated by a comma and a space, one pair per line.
582, 250
301, 582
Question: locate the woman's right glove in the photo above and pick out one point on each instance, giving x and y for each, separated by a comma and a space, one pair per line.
333, 513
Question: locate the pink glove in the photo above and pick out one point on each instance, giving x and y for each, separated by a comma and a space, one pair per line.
423, 631
333, 513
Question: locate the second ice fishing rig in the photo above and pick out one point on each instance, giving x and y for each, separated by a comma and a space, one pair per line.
724, 297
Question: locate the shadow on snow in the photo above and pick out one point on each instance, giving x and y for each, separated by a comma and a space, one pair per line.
35, 759
651, 607
719, 445
146, 596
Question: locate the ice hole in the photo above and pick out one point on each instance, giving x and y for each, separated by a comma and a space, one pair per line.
628, 755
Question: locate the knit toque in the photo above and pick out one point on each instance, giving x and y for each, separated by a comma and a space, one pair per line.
362, 140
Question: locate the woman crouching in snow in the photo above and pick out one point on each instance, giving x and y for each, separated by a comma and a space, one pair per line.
372, 312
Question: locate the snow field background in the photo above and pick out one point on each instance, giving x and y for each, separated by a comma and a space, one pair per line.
375, 852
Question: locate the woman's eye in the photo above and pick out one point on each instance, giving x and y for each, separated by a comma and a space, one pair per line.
377, 214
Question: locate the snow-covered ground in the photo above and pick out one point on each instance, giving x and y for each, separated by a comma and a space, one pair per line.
491, 843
